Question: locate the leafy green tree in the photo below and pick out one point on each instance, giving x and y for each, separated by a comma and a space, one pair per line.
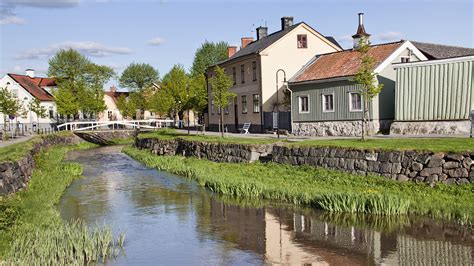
137, 77
366, 77
175, 85
198, 93
207, 55
126, 107
10, 105
220, 85
79, 83
161, 102
36, 107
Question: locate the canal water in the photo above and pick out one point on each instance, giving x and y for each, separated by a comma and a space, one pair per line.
169, 220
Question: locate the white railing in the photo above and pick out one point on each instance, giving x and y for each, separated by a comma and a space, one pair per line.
115, 125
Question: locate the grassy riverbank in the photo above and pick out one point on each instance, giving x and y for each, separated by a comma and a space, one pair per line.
31, 229
456, 145
321, 188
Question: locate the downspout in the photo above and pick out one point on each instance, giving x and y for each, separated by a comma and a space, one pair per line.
259, 57
291, 108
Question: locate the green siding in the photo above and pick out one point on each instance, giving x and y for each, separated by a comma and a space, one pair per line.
442, 91
341, 91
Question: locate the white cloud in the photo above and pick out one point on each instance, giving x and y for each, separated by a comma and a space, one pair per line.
345, 38
11, 19
389, 36
156, 41
87, 48
42, 3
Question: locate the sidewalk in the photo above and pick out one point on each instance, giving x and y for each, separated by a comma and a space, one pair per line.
16, 140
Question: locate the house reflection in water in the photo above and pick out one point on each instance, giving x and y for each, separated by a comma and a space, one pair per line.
285, 237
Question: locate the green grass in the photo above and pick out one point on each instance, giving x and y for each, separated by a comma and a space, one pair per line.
455, 145
16, 151
167, 134
321, 188
31, 229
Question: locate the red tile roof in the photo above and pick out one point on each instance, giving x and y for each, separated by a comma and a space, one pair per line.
115, 95
344, 63
35, 86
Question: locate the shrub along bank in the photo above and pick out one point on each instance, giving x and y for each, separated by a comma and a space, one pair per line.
31, 229
321, 188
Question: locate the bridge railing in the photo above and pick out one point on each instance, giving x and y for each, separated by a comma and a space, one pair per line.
116, 125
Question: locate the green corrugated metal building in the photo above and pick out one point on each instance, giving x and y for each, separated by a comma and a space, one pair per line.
434, 97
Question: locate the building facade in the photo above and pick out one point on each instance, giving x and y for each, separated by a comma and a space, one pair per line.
434, 97
253, 71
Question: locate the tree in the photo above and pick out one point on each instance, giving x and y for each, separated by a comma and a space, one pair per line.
220, 85
175, 85
126, 107
366, 77
198, 93
79, 83
137, 77
36, 107
207, 55
10, 106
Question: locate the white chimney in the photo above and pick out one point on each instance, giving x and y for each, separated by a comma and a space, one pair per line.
30, 73
361, 34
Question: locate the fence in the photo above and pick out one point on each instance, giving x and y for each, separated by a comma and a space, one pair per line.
270, 120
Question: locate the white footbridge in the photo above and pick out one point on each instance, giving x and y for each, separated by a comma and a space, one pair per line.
150, 124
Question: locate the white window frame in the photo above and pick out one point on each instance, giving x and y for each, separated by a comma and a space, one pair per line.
324, 103
300, 110
350, 102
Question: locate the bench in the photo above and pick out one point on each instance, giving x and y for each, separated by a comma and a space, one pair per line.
245, 128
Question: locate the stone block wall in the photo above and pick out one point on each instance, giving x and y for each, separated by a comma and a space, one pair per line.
217, 152
332, 128
431, 128
396, 165
14, 175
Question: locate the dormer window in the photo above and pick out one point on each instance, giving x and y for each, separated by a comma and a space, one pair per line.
302, 41
405, 59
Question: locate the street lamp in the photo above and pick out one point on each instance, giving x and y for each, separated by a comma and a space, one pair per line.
277, 102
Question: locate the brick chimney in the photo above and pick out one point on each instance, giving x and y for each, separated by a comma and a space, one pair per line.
231, 50
286, 22
245, 41
262, 32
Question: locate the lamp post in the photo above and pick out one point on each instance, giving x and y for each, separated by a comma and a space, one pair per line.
277, 102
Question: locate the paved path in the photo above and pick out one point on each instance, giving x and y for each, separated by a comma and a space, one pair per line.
14, 141
300, 138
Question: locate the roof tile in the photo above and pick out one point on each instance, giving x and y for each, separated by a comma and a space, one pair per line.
35, 86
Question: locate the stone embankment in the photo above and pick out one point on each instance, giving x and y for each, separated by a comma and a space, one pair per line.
397, 165
14, 175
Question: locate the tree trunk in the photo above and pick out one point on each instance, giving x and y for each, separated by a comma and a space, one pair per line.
364, 120
222, 122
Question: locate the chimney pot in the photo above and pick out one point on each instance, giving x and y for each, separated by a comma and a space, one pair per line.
245, 41
231, 50
30, 73
286, 22
262, 32
361, 34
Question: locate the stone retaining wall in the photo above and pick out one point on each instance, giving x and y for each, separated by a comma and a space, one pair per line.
431, 128
217, 152
15, 175
397, 165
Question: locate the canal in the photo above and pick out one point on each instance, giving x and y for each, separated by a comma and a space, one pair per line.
172, 221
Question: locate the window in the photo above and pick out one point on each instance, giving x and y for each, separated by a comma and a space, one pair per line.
254, 70
244, 104
109, 115
242, 74
212, 107
405, 59
328, 102
51, 112
302, 41
234, 75
303, 104
226, 110
256, 103
355, 102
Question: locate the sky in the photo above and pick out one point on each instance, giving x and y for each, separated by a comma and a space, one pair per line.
167, 32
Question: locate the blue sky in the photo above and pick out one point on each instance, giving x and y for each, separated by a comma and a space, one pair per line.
167, 32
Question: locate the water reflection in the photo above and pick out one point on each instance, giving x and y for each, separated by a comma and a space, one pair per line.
170, 220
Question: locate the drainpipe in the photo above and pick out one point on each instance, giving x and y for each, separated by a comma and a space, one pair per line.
291, 107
